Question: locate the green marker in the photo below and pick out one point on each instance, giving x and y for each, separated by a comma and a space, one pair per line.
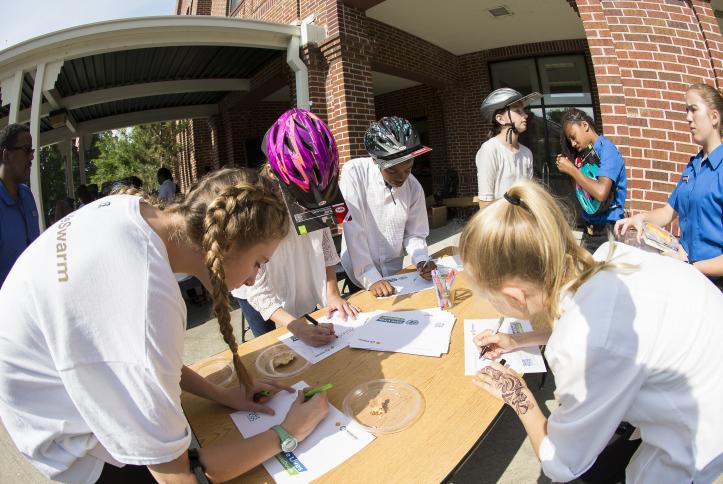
259, 395
314, 391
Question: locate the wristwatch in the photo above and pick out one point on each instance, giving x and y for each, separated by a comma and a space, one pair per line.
288, 442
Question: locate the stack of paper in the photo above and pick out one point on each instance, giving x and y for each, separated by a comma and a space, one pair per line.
408, 283
425, 332
449, 262
336, 439
343, 329
523, 360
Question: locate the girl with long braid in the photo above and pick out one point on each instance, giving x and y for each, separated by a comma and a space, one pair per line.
93, 327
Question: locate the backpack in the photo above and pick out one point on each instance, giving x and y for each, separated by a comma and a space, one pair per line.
588, 162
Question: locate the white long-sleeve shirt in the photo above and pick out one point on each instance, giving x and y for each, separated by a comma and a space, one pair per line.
295, 277
384, 223
642, 347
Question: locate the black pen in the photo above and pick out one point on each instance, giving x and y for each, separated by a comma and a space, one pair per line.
499, 325
316, 323
312, 320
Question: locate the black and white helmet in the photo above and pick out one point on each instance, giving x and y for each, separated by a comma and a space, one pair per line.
393, 140
504, 98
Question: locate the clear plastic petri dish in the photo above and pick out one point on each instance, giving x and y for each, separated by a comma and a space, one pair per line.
384, 406
218, 370
279, 361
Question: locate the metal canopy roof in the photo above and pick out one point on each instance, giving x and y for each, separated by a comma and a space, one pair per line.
121, 68
98, 75
120, 73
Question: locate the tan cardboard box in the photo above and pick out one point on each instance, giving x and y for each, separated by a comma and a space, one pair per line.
437, 216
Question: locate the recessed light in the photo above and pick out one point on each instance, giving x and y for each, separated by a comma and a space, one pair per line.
500, 11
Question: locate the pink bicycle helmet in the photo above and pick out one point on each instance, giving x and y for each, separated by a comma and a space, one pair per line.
303, 154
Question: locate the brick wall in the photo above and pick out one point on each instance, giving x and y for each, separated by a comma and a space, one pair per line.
398, 53
420, 102
645, 54
218, 8
279, 11
641, 57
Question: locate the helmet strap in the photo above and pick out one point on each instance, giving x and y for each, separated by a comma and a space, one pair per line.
511, 125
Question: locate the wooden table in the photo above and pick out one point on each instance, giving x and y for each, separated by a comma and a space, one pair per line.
456, 412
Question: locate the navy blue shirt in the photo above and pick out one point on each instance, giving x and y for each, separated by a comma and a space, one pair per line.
18, 226
698, 199
612, 166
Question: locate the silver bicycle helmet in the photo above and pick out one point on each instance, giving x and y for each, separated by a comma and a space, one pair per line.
504, 98
393, 140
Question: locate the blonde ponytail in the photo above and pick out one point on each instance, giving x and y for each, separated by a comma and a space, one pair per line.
527, 236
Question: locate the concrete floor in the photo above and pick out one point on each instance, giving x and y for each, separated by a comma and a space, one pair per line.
505, 457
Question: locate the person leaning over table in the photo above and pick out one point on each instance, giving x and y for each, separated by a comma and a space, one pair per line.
634, 337
92, 340
302, 155
697, 200
387, 208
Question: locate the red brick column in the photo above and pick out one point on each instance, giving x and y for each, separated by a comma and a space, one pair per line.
346, 71
712, 35
318, 69
645, 54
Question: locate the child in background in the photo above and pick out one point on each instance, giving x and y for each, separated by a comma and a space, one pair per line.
301, 152
502, 160
600, 180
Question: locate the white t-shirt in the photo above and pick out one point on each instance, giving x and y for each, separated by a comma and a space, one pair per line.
498, 168
642, 347
91, 339
295, 277
385, 222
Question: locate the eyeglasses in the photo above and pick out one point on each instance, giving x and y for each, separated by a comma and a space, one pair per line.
28, 149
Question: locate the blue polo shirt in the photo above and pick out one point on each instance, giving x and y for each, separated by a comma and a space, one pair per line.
698, 199
612, 166
18, 226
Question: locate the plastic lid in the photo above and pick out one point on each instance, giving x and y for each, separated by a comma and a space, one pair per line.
384, 406
280, 361
218, 370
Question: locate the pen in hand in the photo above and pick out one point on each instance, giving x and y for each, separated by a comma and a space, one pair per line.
499, 325
313, 321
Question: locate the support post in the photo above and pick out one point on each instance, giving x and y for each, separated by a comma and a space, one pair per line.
37, 101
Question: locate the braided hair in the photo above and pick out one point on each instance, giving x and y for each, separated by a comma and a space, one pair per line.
228, 207
573, 116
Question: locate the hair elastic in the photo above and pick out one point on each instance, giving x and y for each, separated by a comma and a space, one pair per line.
513, 199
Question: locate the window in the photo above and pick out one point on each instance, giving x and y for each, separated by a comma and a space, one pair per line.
232, 4
564, 83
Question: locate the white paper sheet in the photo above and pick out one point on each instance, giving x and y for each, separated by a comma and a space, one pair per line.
524, 360
336, 439
344, 330
425, 332
448, 262
408, 283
